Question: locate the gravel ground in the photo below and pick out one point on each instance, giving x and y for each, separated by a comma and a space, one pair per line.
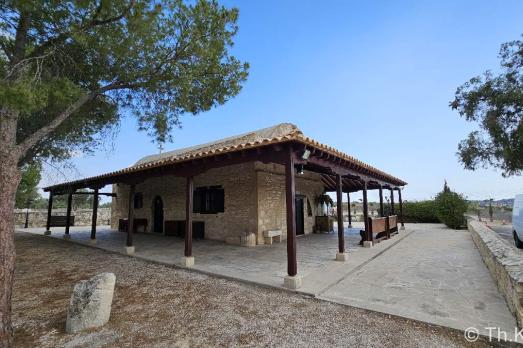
160, 306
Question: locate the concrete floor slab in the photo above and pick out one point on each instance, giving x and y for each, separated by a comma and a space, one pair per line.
427, 272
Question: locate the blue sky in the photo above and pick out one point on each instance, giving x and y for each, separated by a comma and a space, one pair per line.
371, 78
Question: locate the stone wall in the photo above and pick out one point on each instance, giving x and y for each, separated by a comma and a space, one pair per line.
254, 200
272, 213
504, 263
239, 216
82, 217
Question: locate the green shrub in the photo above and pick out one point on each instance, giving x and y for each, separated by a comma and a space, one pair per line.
450, 208
417, 212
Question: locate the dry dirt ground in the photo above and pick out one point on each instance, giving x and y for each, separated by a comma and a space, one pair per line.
159, 306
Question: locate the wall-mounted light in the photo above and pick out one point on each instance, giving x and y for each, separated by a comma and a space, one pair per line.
300, 170
306, 154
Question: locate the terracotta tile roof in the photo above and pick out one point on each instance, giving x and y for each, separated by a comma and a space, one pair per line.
280, 133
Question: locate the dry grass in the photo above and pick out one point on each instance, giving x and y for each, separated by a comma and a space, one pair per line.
161, 306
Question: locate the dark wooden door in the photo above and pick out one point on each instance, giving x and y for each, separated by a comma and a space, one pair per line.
158, 215
299, 216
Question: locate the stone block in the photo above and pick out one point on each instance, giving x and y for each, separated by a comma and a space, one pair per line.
271, 236
342, 256
47, 233
188, 261
92, 241
367, 244
272, 233
90, 304
292, 282
128, 250
248, 240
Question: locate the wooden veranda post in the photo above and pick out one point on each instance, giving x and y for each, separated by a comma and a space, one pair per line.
401, 209
365, 211
348, 210
95, 215
130, 220
339, 206
188, 218
68, 217
382, 210
292, 280
391, 201
49, 213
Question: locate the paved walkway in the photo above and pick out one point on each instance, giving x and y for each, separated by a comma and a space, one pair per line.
434, 275
427, 272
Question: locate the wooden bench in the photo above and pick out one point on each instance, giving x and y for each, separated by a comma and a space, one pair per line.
140, 225
61, 220
393, 225
379, 229
271, 235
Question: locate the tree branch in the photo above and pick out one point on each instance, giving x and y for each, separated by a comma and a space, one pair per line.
34, 138
92, 23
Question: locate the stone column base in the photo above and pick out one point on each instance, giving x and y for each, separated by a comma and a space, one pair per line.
92, 241
402, 228
188, 261
128, 250
367, 244
342, 256
66, 236
292, 282
47, 233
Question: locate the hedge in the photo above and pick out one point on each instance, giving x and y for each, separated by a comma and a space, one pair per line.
418, 212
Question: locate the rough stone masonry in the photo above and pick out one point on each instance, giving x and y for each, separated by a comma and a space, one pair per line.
90, 304
505, 266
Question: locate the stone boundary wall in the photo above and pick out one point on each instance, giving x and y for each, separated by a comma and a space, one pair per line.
82, 217
504, 263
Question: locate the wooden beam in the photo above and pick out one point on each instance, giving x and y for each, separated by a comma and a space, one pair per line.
348, 210
331, 181
188, 216
130, 216
49, 212
401, 208
382, 210
391, 202
339, 206
290, 195
68, 216
95, 214
110, 194
365, 209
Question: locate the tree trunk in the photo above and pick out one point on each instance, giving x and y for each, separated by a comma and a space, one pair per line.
9, 180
